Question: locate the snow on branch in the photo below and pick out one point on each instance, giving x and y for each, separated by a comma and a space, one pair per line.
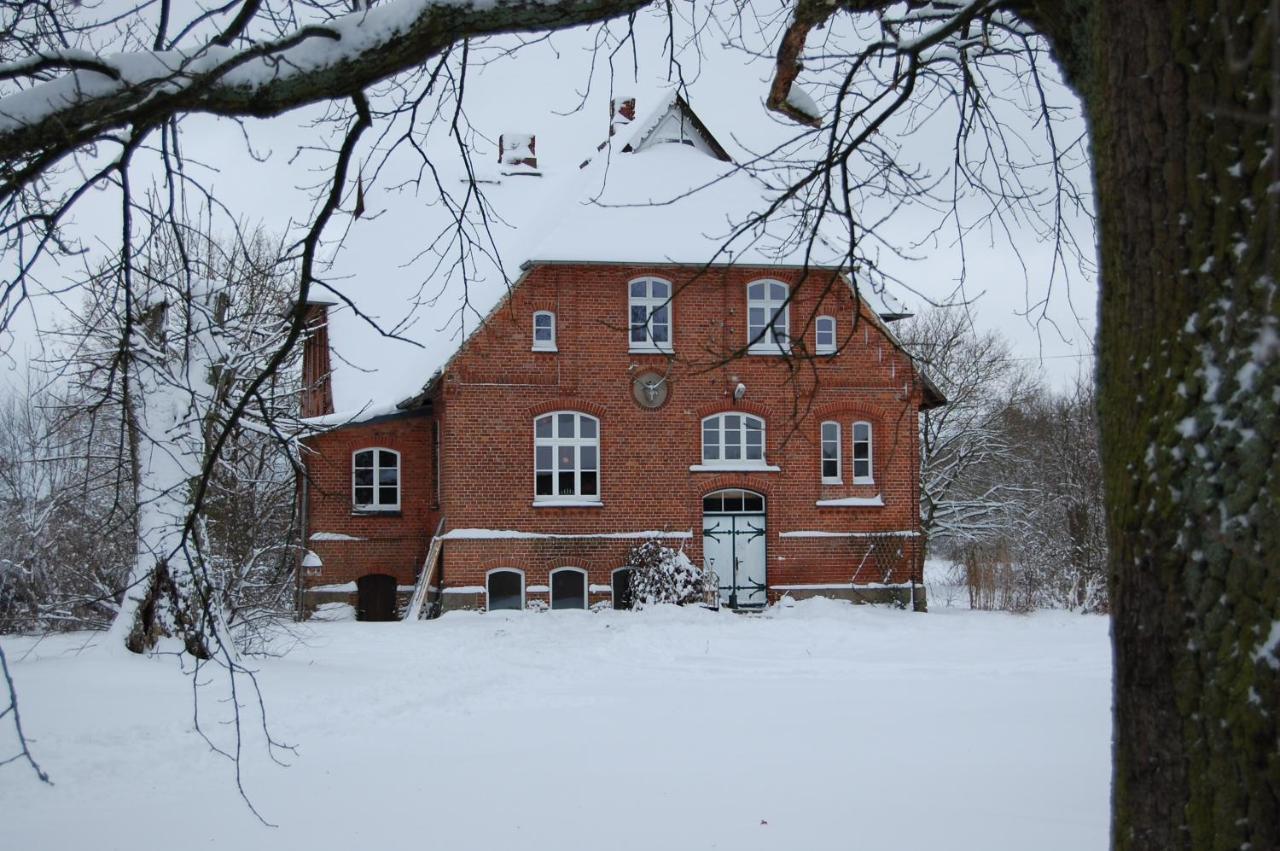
314, 63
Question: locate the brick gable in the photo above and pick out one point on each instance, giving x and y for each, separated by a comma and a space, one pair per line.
488, 396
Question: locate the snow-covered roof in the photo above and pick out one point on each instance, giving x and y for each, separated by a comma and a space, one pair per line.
662, 190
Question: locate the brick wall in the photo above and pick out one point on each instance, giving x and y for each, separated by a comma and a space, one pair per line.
491, 393
393, 543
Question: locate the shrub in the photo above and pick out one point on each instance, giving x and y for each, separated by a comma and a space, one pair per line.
662, 575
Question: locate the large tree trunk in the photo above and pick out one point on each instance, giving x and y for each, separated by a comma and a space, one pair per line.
1181, 97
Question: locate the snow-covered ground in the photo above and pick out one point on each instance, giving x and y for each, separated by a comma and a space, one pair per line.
816, 726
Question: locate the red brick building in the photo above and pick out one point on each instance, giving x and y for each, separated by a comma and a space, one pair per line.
757, 415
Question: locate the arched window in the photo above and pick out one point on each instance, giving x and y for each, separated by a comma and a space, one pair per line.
768, 318
569, 588
375, 479
831, 453
544, 331
862, 473
505, 589
620, 582
649, 309
732, 440
824, 331
566, 457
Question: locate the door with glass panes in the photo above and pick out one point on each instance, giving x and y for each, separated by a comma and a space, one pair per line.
733, 545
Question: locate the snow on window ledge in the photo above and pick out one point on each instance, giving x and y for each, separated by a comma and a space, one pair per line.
876, 501
538, 589
385, 511
333, 536
746, 467
567, 503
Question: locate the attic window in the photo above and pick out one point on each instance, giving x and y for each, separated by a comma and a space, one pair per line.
768, 316
544, 331
649, 306
825, 335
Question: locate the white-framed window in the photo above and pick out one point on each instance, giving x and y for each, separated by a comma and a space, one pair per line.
568, 588
730, 440
375, 479
544, 331
824, 333
768, 318
566, 457
862, 453
831, 453
649, 314
504, 589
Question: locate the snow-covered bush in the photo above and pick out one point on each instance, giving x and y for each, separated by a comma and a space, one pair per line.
662, 575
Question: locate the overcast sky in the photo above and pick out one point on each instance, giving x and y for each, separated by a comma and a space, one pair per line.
559, 89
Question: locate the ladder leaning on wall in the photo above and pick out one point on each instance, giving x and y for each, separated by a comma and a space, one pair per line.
426, 576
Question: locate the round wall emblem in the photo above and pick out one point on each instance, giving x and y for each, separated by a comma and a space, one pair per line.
650, 389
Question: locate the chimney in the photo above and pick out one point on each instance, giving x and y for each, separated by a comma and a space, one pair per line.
518, 153
622, 111
317, 386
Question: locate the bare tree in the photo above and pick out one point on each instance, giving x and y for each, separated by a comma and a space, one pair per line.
964, 497
1184, 112
64, 535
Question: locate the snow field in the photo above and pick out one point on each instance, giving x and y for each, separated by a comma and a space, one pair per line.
818, 725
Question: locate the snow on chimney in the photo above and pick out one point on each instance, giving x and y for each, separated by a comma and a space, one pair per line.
518, 153
622, 111
317, 386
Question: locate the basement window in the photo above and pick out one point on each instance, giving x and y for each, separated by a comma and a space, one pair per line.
504, 589
569, 588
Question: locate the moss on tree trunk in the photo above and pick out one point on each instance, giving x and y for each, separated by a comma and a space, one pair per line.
1181, 99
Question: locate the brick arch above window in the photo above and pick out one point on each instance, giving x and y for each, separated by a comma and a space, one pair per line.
581, 406
743, 406
758, 484
846, 409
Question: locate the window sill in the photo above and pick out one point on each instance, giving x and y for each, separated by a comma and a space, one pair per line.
770, 349
876, 501
650, 350
735, 468
375, 512
567, 503
832, 482
551, 349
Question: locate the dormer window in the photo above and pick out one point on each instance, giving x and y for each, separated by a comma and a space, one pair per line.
824, 335
768, 317
649, 306
544, 331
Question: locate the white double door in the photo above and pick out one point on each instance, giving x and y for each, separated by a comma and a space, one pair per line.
733, 545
